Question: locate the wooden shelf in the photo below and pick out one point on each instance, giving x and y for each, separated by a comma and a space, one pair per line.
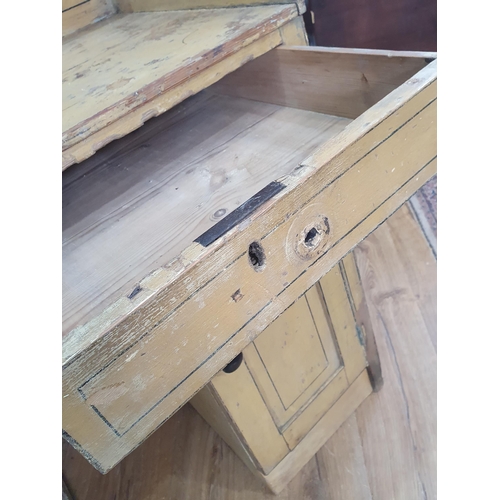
124, 70
182, 172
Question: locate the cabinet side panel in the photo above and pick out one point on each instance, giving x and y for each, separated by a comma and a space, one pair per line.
213, 412
243, 402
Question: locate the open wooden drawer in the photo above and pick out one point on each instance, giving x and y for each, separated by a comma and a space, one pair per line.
185, 239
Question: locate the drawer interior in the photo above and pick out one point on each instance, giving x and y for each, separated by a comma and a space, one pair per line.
137, 204
140, 201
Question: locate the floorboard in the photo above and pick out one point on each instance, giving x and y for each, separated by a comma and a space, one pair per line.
386, 450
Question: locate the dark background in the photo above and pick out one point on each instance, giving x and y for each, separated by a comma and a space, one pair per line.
373, 24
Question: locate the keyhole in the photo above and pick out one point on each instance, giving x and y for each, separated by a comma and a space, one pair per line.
256, 256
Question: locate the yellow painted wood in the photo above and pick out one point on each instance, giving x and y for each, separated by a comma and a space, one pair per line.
160, 277
350, 342
310, 325
112, 447
292, 352
375, 165
294, 32
284, 472
77, 14
207, 404
104, 76
314, 410
246, 407
164, 5
372, 455
352, 277
297, 366
163, 102
232, 404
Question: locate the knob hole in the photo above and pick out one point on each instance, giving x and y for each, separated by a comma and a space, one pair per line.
311, 236
234, 364
256, 256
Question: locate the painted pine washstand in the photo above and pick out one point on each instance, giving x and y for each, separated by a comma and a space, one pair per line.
217, 173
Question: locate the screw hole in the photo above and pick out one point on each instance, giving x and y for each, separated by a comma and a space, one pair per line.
256, 256
311, 235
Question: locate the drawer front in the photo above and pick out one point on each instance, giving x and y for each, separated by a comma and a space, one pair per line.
292, 374
149, 352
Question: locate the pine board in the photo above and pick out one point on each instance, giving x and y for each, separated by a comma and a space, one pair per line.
112, 67
182, 173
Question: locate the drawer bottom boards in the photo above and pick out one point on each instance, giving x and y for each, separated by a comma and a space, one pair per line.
297, 382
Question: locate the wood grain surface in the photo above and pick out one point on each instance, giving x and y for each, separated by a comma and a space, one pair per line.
399, 274
293, 352
163, 102
112, 67
294, 32
298, 382
342, 82
120, 380
386, 450
162, 5
76, 14
195, 164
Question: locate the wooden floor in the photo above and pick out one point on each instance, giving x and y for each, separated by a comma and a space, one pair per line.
386, 450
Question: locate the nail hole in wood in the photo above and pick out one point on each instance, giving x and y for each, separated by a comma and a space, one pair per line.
256, 256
